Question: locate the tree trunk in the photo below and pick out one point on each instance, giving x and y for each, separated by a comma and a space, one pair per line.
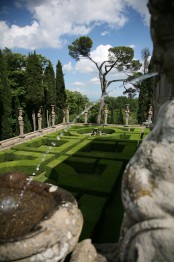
103, 83
102, 102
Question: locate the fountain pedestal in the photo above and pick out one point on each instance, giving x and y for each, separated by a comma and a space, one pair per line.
42, 225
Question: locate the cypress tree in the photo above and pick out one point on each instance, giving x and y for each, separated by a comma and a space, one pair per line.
5, 101
49, 91
60, 91
34, 85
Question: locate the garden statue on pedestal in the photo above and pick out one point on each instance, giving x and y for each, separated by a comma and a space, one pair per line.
39, 119
86, 115
64, 116
21, 123
53, 115
127, 112
67, 115
148, 122
150, 113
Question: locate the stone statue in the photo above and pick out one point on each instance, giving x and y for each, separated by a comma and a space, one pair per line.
105, 115
127, 112
64, 116
21, 123
39, 119
53, 115
67, 115
147, 232
149, 114
86, 115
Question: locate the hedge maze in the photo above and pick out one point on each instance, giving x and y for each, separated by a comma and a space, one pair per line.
89, 166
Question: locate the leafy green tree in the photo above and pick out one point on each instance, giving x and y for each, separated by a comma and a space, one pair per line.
60, 91
16, 64
49, 83
34, 86
119, 58
116, 106
76, 102
5, 101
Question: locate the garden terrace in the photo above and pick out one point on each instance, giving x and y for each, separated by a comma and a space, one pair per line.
89, 166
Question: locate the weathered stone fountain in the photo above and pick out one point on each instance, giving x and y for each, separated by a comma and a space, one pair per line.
38, 222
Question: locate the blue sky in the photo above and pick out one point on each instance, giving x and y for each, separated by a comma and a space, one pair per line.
49, 26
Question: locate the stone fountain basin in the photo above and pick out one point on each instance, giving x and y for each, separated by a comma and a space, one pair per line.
38, 221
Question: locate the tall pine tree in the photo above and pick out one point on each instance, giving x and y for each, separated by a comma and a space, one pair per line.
34, 86
5, 101
60, 91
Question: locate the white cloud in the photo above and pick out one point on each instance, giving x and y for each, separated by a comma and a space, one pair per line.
68, 67
77, 89
53, 19
95, 81
141, 7
104, 33
78, 84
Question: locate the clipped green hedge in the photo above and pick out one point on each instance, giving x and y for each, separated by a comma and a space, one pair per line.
91, 208
6, 155
81, 164
57, 147
26, 166
101, 180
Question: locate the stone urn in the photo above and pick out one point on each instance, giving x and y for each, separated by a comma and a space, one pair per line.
38, 221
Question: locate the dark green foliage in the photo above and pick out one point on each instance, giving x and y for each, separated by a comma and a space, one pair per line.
60, 92
49, 86
5, 101
80, 47
34, 85
117, 105
76, 102
123, 54
91, 208
145, 97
